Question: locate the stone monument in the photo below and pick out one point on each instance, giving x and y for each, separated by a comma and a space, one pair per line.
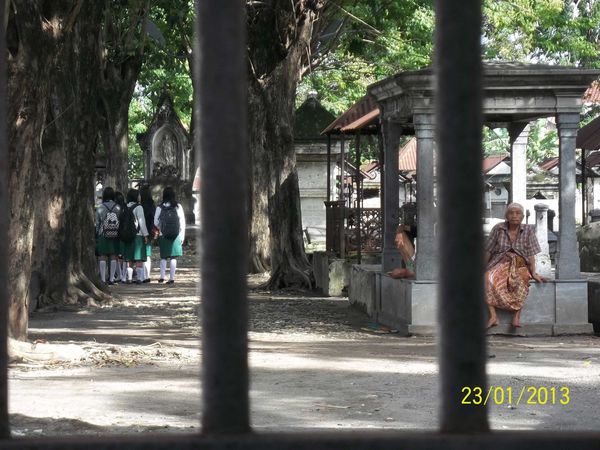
167, 156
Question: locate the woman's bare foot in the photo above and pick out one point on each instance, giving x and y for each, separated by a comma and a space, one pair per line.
492, 322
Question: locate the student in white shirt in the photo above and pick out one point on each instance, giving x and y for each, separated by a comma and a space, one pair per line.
134, 251
170, 220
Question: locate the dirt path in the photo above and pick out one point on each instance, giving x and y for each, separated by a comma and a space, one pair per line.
313, 366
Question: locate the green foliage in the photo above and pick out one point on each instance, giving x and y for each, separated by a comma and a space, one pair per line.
542, 143
376, 39
495, 141
139, 116
546, 31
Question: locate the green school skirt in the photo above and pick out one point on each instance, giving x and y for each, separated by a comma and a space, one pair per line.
135, 250
106, 246
148, 249
170, 248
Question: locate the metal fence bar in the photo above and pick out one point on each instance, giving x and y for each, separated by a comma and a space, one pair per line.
365, 440
359, 194
220, 32
4, 206
459, 122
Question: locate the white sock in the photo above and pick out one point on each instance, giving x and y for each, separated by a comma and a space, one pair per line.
172, 269
163, 268
103, 270
113, 269
129, 273
123, 271
148, 267
140, 273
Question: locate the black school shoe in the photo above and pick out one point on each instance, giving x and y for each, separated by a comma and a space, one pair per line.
147, 280
161, 280
170, 281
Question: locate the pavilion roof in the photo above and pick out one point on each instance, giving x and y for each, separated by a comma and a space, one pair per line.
588, 136
363, 115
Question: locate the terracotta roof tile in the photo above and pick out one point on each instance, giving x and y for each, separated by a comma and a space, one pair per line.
492, 161
407, 157
592, 94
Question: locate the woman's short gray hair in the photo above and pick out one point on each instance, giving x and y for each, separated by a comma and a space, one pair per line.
514, 206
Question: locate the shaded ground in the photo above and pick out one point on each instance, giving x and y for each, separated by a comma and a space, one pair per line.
314, 365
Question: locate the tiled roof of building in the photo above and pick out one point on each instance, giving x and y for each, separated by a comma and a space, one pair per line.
407, 157
592, 94
310, 119
588, 136
492, 161
549, 163
354, 118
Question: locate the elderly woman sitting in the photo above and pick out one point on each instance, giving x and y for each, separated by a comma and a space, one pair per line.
510, 258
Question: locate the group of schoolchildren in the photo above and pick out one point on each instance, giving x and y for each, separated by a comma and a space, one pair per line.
127, 226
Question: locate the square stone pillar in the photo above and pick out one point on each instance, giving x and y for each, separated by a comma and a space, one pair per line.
391, 142
426, 267
519, 135
542, 259
567, 258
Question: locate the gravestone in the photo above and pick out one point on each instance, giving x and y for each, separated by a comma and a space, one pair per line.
167, 156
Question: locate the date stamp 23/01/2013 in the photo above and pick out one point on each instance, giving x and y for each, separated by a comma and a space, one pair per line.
507, 395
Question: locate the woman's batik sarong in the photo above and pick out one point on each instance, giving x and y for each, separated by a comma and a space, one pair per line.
507, 283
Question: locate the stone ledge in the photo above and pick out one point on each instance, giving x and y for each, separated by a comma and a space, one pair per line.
526, 330
577, 328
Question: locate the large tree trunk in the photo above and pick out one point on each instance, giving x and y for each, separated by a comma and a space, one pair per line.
121, 61
279, 35
52, 127
115, 139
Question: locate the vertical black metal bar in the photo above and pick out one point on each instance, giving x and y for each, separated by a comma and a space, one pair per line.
583, 189
4, 206
343, 197
458, 90
381, 178
221, 65
358, 199
328, 167
342, 166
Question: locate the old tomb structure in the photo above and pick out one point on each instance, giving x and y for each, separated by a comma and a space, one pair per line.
168, 159
514, 95
314, 178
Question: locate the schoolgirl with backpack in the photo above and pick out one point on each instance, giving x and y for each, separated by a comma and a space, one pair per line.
107, 231
121, 271
170, 220
134, 234
149, 210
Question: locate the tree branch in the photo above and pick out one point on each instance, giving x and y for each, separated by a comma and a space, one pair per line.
73, 17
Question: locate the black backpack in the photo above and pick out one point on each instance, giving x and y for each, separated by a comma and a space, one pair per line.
169, 222
110, 224
128, 229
